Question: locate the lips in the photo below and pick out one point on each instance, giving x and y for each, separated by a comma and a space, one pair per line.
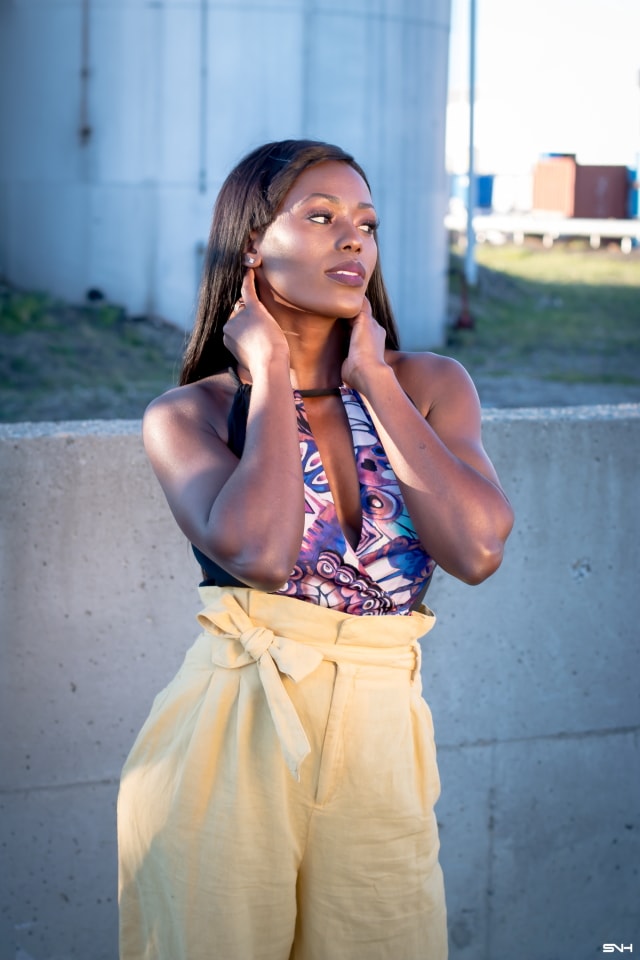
350, 272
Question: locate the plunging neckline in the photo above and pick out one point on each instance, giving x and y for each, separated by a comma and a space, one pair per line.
342, 391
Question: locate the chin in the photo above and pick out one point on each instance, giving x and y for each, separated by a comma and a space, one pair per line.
339, 303
339, 307
328, 311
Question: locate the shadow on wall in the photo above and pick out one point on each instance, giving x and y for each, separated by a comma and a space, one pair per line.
531, 678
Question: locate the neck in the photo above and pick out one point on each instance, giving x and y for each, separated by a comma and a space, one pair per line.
317, 349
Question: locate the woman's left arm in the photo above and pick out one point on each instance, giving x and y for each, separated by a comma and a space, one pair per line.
434, 445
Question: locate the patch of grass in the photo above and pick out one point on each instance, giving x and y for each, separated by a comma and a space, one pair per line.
108, 314
59, 361
21, 312
568, 315
571, 376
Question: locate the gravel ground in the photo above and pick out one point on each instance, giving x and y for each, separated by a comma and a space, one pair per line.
59, 363
526, 391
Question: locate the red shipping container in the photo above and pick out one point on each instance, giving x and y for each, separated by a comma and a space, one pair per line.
601, 192
554, 185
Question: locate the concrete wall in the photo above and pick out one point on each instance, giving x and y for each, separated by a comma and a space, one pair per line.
170, 94
532, 677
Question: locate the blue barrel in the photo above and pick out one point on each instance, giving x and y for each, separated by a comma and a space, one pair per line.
633, 200
484, 191
459, 189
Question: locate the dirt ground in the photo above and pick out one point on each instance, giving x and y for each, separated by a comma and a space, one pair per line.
59, 362
523, 390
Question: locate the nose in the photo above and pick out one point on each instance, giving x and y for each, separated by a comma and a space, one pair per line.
350, 237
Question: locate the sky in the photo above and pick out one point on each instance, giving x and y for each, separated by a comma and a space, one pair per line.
559, 76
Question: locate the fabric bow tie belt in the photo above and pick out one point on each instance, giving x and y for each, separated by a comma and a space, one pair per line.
238, 641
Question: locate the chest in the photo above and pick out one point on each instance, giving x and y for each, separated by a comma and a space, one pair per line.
333, 437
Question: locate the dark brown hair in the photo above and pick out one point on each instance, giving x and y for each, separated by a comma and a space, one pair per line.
249, 199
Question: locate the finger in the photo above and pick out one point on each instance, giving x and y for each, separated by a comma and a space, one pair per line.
248, 291
362, 313
366, 308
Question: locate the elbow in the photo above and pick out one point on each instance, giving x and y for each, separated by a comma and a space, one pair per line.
482, 559
479, 568
269, 581
260, 572
489, 552
266, 573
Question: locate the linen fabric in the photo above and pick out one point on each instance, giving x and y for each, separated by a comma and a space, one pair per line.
278, 802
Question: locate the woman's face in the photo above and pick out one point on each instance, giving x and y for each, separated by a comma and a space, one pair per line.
320, 251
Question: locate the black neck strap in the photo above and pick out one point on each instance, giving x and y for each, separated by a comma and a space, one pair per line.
322, 392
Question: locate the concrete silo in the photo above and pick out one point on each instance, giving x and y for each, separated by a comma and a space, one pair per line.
120, 118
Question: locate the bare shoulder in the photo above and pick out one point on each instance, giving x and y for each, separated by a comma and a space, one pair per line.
445, 394
203, 405
432, 380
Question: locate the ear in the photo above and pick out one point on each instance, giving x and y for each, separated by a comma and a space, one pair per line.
251, 256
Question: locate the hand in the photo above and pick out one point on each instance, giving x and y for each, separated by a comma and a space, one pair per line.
251, 333
366, 350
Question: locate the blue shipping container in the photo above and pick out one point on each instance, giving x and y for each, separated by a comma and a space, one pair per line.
483, 192
634, 193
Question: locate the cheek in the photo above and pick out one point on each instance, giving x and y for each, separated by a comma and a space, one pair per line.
287, 265
282, 248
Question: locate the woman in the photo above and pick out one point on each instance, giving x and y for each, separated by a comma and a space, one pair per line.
278, 802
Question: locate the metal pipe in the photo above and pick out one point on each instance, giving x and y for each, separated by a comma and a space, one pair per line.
204, 71
470, 265
84, 126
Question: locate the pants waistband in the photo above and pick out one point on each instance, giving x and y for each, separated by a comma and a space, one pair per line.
283, 635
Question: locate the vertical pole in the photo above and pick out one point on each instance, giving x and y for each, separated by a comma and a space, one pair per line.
84, 127
204, 79
470, 266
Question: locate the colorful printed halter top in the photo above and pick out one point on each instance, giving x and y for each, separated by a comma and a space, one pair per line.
389, 569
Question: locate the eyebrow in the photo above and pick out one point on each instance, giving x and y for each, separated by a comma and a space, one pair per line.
327, 196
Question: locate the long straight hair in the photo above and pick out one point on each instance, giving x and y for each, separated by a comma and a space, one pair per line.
249, 200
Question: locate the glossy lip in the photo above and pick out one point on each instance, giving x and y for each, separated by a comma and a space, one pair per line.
350, 272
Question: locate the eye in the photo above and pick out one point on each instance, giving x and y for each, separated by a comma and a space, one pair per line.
320, 216
370, 227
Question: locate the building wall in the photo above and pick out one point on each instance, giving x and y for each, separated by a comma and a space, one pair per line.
532, 679
121, 118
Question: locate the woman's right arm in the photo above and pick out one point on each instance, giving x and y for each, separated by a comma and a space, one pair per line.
247, 515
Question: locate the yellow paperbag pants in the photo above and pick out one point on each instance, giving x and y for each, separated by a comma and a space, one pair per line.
278, 802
